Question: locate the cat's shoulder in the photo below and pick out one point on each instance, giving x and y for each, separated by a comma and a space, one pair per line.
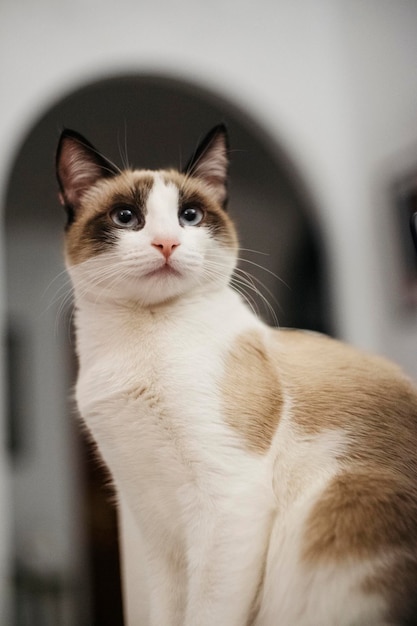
341, 382
315, 361
323, 384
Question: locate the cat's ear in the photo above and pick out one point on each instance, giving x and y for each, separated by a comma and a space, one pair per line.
78, 166
210, 162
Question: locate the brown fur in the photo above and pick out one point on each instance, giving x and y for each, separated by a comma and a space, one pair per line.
335, 386
331, 386
252, 397
362, 512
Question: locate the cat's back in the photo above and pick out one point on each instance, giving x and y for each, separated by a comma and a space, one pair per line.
334, 385
323, 384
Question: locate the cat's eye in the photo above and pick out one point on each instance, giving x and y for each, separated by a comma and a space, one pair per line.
124, 217
190, 216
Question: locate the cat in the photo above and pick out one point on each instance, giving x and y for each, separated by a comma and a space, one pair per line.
271, 473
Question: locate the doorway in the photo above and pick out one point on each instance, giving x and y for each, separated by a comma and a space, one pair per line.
66, 557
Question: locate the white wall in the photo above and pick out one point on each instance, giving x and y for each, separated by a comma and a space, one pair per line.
334, 81
382, 72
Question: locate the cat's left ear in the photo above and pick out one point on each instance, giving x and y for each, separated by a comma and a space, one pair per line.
210, 162
78, 167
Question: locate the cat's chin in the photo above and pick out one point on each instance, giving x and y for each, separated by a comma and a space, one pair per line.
165, 286
158, 287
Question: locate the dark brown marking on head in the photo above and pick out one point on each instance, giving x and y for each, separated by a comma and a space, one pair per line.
93, 230
100, 233
139, 192
252, 392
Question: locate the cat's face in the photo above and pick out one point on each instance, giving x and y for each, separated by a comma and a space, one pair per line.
146, 236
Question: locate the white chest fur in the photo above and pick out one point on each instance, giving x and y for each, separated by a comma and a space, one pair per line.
148, 389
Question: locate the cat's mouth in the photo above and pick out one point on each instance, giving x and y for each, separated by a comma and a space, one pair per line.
163, 270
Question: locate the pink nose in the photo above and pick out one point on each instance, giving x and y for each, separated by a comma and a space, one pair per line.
166, 246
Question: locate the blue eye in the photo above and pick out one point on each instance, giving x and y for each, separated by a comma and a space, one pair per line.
124, 217
190, 216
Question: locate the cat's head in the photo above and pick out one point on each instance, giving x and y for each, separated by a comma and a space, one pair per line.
146, 236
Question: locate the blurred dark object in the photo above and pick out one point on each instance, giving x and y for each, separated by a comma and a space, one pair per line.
41, 599
413, 227
406, 212
102, 538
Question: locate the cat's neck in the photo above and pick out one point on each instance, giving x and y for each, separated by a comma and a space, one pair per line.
201, 301
119, 323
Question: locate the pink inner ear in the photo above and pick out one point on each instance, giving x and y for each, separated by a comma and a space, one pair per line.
212, 168
78, 170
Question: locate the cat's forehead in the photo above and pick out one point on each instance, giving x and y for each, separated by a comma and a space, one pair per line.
131, 187
147, 190
163, 195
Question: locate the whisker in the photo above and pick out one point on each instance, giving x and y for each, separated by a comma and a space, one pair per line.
265, 269
101, 155
236, 284
123, 151
59, 294
243, 290
49, 285
254, 251
241, 279
269, 308
262, 284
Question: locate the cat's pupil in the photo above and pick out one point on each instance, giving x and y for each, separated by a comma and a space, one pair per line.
125, 215
190, 214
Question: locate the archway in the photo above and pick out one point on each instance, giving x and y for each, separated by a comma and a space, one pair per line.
154, 122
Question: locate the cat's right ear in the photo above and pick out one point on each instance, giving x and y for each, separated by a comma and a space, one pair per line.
78, 167
210, 163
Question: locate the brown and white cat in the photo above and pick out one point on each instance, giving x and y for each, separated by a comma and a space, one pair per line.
271, 473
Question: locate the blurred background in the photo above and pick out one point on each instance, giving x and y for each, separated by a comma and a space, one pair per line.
321, 103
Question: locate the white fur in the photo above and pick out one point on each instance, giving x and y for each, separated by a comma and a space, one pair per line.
210, 513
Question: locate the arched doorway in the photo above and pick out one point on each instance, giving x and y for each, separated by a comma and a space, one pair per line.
65, 530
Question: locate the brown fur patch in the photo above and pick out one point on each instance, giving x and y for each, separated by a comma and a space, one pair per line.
334, 386
363, 512
252, 394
